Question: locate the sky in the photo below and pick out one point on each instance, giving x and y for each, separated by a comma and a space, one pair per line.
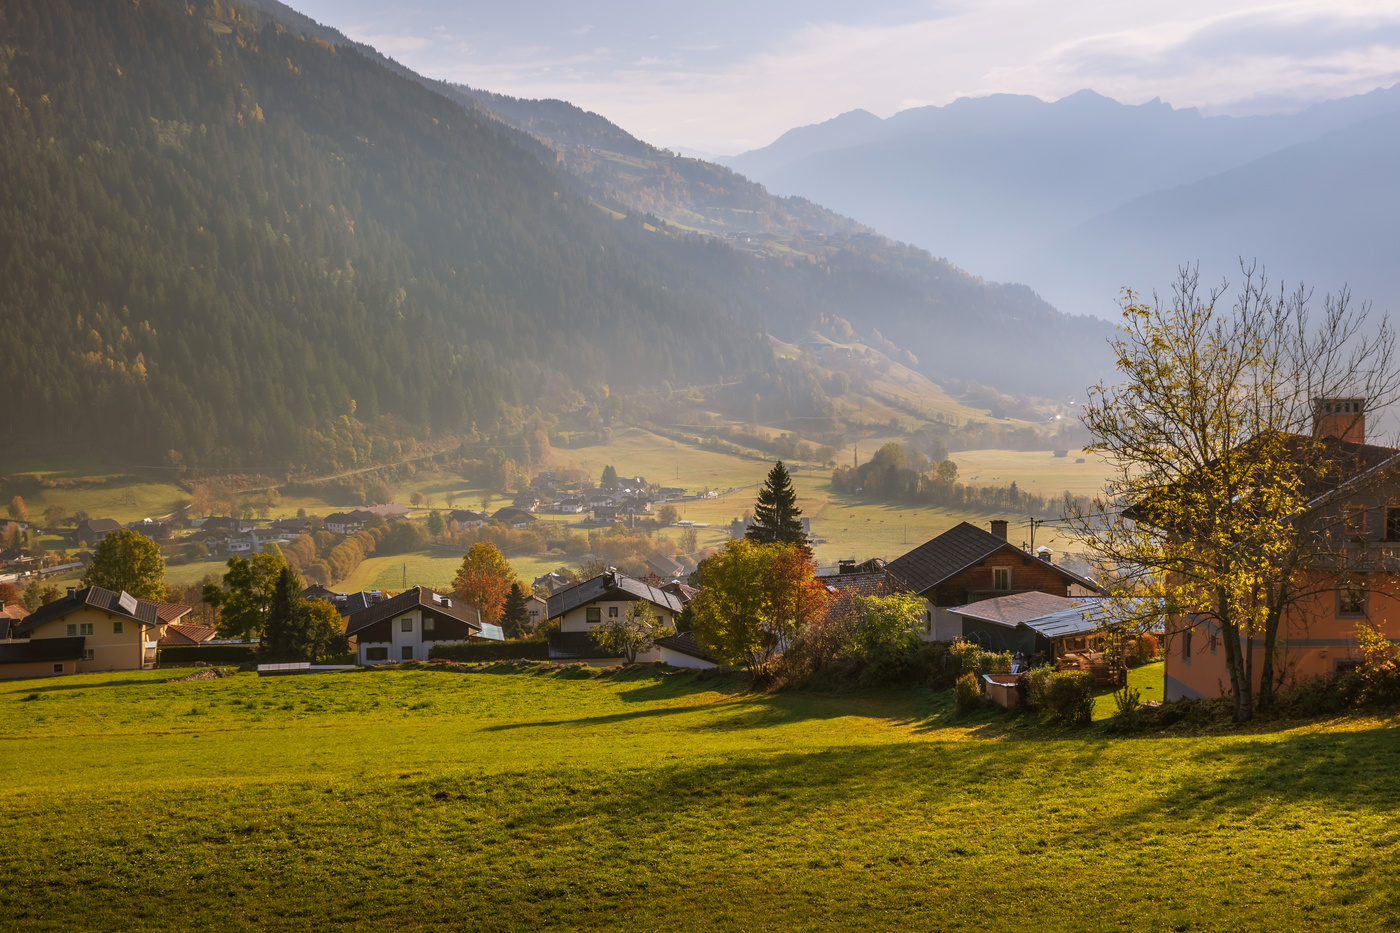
725, 76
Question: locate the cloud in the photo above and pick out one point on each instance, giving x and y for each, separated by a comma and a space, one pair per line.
726, 83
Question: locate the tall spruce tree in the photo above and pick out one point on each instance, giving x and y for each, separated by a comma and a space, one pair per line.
515, 620
776, 517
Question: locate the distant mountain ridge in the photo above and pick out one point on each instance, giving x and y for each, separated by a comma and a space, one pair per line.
1000, 183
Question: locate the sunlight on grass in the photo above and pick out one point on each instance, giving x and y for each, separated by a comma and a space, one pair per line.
561, 800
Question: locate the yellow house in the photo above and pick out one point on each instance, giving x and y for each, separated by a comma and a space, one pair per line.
118, 632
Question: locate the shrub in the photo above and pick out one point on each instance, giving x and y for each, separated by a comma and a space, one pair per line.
1038, 687
1071, 696
1147, 647
1128, 716
210, 654
967, 693
532, 650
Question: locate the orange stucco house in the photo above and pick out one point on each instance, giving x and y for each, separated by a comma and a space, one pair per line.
1359, 513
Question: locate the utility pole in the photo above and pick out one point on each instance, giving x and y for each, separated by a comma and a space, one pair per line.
1034, 523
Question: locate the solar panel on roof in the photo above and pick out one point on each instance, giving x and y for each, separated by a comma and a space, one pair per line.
127, 602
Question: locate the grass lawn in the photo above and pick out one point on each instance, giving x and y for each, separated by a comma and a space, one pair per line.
413, 800
1149, 681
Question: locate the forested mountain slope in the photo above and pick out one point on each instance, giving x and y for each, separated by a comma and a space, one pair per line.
237, 243
214, 240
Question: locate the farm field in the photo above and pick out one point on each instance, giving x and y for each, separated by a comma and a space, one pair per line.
847, 526
424, 799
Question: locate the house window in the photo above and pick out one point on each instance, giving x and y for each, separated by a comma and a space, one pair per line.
428, 623
1001, 578
116, 628
1355, 522
1392, 524
593, 614
1186, 645
612, 612
407, 653
72, 629
376, 654
1351, 600
87, 654
85, 628
406, 624
1213, 641
928, 622
58, 668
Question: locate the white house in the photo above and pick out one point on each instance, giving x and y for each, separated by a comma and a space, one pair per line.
581, 609
407, 626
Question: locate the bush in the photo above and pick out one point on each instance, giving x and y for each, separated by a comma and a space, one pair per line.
967, 693
532, 650
1128, 716
1038, 687
209, 654
1071, 696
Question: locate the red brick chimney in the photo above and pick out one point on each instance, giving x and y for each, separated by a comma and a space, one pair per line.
999, 528
1343, 418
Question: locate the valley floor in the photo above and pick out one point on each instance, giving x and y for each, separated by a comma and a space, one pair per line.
566, 800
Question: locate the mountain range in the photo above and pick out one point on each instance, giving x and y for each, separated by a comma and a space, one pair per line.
229, 236
1083, 196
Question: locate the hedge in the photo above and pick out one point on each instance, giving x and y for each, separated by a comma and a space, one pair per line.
210, 654
493, 651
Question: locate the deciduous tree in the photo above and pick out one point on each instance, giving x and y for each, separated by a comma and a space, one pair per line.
484, 580
632, 633
1214, 461
128, 560
755, 599
246, 594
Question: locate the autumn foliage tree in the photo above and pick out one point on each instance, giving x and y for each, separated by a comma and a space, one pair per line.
128, 561
484, 580
1214, 462
754, 602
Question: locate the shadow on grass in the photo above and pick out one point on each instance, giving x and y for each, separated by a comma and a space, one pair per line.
87, 685
603, 720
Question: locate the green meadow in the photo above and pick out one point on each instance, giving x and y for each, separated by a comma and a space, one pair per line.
566, 800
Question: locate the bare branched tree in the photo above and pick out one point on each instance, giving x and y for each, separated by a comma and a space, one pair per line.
1215, 464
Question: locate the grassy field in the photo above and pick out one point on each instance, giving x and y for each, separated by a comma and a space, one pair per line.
424, 800
847, 526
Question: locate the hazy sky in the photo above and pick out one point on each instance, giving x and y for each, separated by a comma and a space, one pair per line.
724, 76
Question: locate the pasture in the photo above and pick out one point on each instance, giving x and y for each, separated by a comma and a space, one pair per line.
565, 800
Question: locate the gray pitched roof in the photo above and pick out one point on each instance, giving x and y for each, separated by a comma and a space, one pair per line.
118, 604
418, 596
609, 585
936, 560
42, 649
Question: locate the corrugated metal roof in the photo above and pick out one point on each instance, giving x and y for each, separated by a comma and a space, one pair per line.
1089, 615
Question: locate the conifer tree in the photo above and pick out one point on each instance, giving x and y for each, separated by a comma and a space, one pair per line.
516, 617
776, 517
